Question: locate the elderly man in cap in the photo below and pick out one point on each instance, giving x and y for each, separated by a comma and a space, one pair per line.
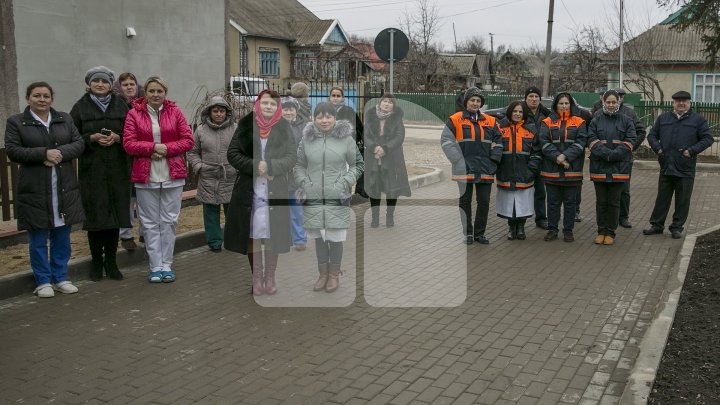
536, 113
472, 143
677, 137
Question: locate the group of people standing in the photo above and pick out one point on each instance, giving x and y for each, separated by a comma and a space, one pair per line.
282, 174
286, 173
536, 155
125, 144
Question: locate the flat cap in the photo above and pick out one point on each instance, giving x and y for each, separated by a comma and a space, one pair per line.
681, 95
620, 91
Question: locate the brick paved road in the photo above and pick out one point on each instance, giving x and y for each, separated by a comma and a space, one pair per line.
533, 322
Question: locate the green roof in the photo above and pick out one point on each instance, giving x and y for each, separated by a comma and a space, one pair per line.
673, 18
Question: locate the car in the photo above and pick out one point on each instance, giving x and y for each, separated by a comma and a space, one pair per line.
246, 88
499, 113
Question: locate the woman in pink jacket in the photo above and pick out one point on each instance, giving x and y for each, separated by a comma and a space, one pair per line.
157, 136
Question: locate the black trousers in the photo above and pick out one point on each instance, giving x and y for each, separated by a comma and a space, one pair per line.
540, 200
607, 207
682, 187
578, 198
557, 196
103, 246
482, 195
625, 201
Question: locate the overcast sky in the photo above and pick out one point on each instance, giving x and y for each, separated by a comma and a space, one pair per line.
517, 23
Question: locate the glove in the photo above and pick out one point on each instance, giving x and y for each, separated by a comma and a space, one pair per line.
345, 198
300, 196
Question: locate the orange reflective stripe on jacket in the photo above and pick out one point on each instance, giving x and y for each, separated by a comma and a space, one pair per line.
572, 121
515, 133
458, 121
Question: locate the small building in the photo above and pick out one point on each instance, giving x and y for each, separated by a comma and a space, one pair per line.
456, 71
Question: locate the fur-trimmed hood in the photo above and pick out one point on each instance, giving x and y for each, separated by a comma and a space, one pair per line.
341, 130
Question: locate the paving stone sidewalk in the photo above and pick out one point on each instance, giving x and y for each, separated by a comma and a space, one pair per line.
419, 318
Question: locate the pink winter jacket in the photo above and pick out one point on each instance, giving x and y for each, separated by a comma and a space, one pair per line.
138, 140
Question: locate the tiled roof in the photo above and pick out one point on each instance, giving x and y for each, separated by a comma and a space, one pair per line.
310, 32
270, 19
661, 43
456, 64
369, 56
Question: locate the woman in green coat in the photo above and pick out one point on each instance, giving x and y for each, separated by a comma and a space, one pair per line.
328, 165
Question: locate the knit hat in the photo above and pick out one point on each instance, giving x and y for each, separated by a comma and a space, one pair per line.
533, 89
473, 92
290, 102
300, 90
99, 72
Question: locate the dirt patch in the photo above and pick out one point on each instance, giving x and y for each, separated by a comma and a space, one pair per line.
689, 371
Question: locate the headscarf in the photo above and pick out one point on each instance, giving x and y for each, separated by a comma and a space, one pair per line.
383, 115
266, 125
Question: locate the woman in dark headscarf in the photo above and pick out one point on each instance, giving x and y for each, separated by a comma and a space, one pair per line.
103, 169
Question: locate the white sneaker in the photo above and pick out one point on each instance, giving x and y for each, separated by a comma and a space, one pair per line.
66, 287
44, 291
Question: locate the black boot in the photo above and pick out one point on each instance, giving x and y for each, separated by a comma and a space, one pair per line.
512, 233
110, 262
390, 216
375, 212
520, 229
95, 242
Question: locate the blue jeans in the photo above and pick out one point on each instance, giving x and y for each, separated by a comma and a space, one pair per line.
296, 227
52, 269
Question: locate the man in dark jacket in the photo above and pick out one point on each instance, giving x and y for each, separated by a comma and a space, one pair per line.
536, 113
677, 137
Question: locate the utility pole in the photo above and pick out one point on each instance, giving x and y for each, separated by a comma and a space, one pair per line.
492, 65
455, 35
622, 29
548, 50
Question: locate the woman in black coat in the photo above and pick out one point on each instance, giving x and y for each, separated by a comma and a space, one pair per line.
385, 162
610, 139
104, 169
346, 113
47, 195
263, 152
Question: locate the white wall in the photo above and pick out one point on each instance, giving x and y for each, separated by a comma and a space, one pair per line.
182, 41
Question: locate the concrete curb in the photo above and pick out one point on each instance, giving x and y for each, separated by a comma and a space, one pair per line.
23, 282
651, 347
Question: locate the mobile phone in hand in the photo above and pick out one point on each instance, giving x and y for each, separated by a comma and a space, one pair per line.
106, 132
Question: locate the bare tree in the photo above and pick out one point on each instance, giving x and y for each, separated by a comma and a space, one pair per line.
583, 68
639, 67
421, 27
474, 45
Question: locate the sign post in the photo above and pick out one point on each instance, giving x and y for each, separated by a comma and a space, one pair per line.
392, 45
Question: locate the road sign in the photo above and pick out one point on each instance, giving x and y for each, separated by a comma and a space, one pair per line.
391, 45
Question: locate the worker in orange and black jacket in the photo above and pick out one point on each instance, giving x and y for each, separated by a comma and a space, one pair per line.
563, 136
471, 141
515, 177
611, 139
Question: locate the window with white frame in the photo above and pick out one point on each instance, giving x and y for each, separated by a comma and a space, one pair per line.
269, 62
707, 88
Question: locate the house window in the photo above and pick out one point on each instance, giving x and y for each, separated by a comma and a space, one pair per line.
269, 62
707, 88
304, 65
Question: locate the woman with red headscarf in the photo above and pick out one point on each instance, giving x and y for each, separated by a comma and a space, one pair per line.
263, 152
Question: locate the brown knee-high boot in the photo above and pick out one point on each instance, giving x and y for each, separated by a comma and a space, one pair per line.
271, 260
256, 266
